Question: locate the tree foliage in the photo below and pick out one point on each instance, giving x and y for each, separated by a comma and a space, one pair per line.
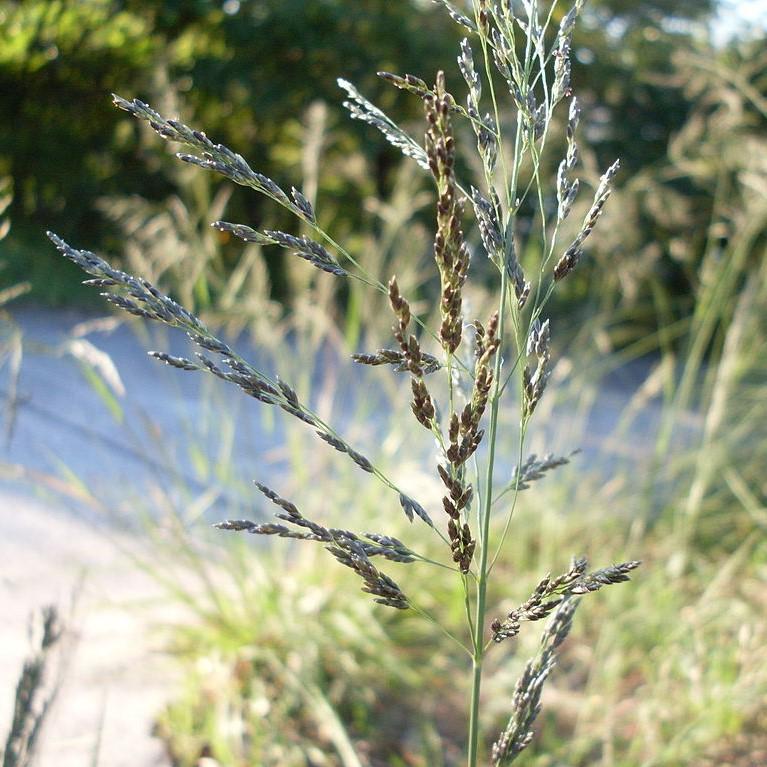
248, 71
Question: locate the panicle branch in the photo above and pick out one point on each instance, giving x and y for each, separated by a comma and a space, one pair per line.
499, 247
398, 359
534, 378
139, 297
456, 15
526, 701
216, 157
568, 190
572, 255
305, 248
485, 128
347, 547
550, 592
535, 468
362, 109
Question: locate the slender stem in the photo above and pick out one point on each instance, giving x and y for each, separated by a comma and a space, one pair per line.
523, 76
522, 434
424, 614
434, 562
475, 690
484, 539
469, 620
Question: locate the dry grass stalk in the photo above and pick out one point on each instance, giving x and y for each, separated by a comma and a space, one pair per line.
35, 693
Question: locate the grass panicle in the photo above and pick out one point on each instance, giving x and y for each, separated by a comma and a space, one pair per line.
361, 109
399, 359
513, 356
451, 253
382, 545
303, 247
535, 468
551, 591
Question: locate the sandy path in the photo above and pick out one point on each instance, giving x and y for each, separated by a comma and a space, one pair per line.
116, 679
64, 436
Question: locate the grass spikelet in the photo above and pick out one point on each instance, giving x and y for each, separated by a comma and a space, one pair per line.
572, 255
450, 251
526, 702
361, 109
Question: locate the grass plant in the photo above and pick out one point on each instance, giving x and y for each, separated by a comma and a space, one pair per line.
36, 689
459, 371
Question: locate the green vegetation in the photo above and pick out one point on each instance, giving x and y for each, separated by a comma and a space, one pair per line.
252, 75
283, 664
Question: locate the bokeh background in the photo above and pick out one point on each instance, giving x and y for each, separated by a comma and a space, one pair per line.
661, 381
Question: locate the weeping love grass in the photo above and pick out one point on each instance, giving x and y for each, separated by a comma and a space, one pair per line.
525, 46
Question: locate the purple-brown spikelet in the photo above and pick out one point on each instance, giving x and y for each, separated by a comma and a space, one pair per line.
464, 437
422, 405
450, 250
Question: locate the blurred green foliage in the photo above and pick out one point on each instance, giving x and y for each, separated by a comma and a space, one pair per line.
247, 75
247, 72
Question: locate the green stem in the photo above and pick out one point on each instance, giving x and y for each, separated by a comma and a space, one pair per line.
498, 388
474, 720
484, 540
424, 614
520, 452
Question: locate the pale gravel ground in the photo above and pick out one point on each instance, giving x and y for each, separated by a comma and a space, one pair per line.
116, 678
